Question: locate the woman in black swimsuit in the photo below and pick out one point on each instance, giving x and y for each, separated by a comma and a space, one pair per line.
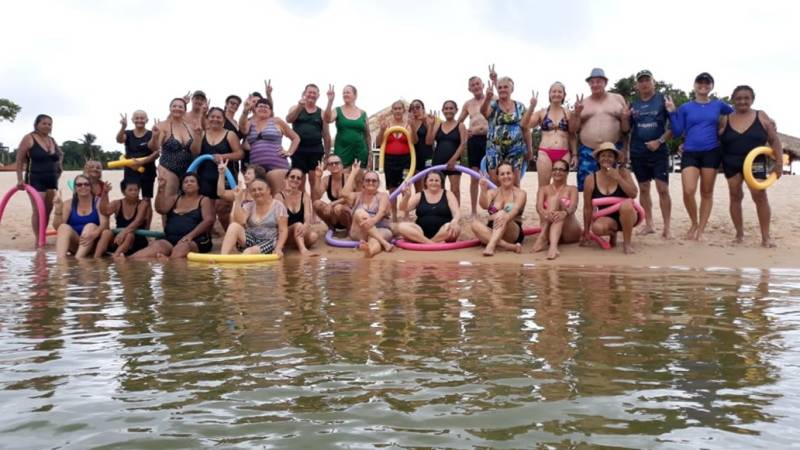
190, 217
298, 205
136, 146
173, 139
225, 147
451, 138
336, 213
437, 212
610, 181
39, 158
131, 214
757, 130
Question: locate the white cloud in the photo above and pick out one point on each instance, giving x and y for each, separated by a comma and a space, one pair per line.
85, 62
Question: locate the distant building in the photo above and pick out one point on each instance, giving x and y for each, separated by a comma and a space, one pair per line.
791, 154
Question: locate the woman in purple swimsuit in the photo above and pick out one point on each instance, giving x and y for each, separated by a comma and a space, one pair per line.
264, 134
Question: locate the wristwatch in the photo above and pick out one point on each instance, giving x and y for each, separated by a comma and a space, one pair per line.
661, 140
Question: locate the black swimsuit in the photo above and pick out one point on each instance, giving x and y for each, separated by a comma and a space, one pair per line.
181, 224
736, 146
207, 172
446, 146
618, 193
295, 216
175, 156
43, 169
137, 147
332, 197
431, 217
139, 242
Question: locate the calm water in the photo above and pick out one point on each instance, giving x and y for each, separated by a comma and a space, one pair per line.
345, 354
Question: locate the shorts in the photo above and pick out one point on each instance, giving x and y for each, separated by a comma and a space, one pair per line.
476, 150
203, 242
43, 182
308, 158
493, 160
651, 165
265, 246
586, 165
520, 236
733, 165
394, 166
708, 159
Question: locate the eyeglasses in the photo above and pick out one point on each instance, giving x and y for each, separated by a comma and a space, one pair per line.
82, 184
370, 180
559, 169
295, 177
334, 163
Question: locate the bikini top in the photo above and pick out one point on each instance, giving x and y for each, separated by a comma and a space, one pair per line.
547, 122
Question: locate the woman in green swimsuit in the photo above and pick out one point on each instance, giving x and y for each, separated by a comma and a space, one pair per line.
352, 131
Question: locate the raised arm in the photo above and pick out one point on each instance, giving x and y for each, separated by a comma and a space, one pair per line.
574, 122
318, 188
329, 115
238, 214
164, 201
487, 101
155, 139
106, 207
485, 195
350, 185
294, 111
123, 121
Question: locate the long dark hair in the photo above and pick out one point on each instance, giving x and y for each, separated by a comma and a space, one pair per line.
40, 118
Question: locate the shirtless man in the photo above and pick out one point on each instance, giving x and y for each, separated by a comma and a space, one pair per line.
478, 127
196, 118
603, 117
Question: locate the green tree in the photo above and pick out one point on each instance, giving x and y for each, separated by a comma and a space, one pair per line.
8, 110
89, 149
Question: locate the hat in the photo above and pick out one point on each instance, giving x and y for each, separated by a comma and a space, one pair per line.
705, 76
199, 93
597, 73
603, 147
643, 73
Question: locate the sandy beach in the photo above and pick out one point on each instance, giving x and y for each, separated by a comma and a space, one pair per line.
716, 250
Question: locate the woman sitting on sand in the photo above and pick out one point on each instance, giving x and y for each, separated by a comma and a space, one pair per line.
556, 204
78, 234
610, 181
505, 205
190, 217
370, 211
298, 205
337, 214
131, 214
257, 227
437, 212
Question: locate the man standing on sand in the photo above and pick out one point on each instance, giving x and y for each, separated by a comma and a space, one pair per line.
478, 127
649, 154
603, 117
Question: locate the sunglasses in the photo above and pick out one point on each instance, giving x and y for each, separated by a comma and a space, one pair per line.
370, 180
82, 184
559, 169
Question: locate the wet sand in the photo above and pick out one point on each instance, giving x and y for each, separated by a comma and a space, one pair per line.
716, 249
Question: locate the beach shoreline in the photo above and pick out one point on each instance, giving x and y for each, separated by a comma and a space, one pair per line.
716, 250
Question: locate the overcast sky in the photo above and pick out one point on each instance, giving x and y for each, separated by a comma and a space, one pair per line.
84, 62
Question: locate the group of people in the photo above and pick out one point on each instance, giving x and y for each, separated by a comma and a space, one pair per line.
272, 209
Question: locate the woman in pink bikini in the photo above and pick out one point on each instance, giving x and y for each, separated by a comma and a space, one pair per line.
553, 121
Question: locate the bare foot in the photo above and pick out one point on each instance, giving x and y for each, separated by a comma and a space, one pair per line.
738, 239
666, 234
118, 256
388, 247
162, 258
627, 248
540, 243
518, 248
647, 229
308, 253
364, 247
553, 253
488, 251
691, 234
767, 243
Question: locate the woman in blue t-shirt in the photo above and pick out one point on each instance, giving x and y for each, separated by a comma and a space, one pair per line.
697, 122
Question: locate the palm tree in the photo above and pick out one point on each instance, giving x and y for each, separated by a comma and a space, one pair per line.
89, 150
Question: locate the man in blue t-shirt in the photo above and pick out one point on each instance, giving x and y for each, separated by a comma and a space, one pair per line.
649, 154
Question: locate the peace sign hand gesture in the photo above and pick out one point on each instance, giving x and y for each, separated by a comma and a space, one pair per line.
534, 99
331, 93
430, 119
123, 120
669, 104
490, 90
578, 104
319, 169
492, 74
238, 194
188, 96
155, 127
268, 87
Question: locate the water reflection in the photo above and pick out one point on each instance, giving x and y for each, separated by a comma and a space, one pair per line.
418, 354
